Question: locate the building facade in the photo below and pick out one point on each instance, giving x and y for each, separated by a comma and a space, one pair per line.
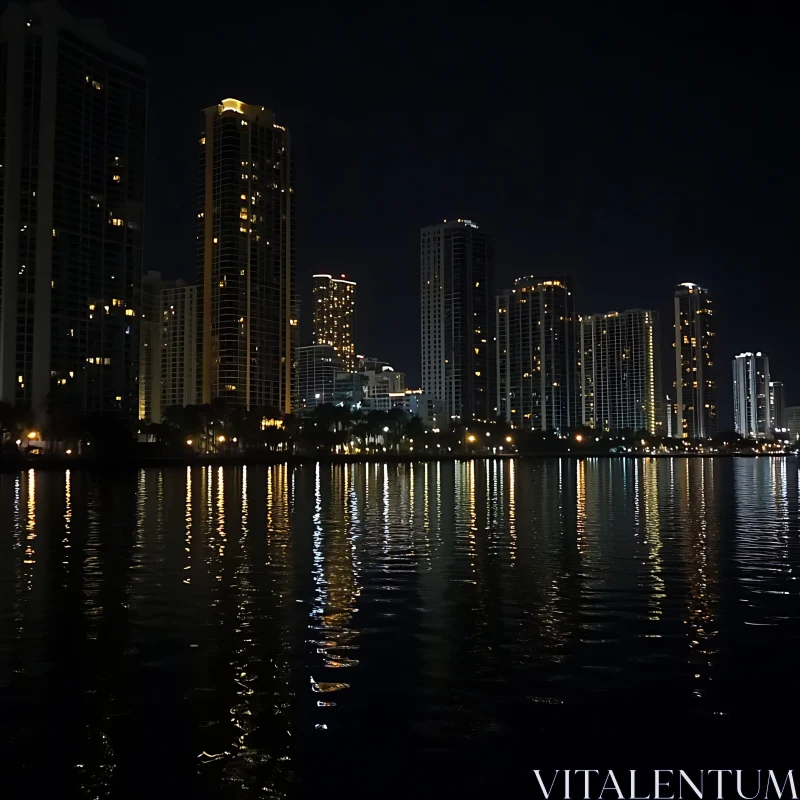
246, 258
169, 356
695, 371
180, 354
73, 113
335, 316
620, 371
777, 412
318, 367
751, 396
457, 265
537, 355
792, 420
150, 347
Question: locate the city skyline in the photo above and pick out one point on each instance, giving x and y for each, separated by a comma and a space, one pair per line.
629, 178
239, 354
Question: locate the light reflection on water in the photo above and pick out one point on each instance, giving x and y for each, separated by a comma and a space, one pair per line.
246, 631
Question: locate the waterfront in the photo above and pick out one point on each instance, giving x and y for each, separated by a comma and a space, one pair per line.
192, 630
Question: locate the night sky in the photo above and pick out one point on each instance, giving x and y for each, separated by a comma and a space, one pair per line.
634, 151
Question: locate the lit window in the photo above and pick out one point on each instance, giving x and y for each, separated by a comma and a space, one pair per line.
97, 85
119, 398
129, 312
116, 178
116, 222
202, 140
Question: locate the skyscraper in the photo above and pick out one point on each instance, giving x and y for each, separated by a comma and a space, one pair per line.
169, 357
318, 366
457, 264
777, 412
245, 258
620, 371
537, 355
695, 373
180, 356
334, 316
751, 407
150, 347
73, 109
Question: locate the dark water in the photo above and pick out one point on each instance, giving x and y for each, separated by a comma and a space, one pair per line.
170, 632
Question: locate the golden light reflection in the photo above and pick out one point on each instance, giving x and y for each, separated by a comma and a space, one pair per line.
335, 575
652, 535
30, 527
188, 525
580, 497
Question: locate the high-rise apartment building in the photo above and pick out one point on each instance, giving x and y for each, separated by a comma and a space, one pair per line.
150, 346
751, 407
334, 316
792, 422
169, 356
318, 367
777, 413
73, 108
695, 372
620, 371
180, 354
457, 264
537, 355
246, 258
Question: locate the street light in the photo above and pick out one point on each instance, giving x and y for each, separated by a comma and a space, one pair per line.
578, 437
189, 442
471, 438
508, 439
33, 435
220, 439
386, 429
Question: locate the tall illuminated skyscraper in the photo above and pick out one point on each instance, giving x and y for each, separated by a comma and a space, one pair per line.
73, 108
457, 264
751, 396
620, 371
246, 258
537, 355
695, 372
335, 316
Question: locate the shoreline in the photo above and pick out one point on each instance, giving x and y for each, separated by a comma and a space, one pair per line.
54, 463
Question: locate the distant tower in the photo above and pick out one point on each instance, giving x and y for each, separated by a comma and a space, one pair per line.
318, 367
620, 371
695, 372
245, 258
537, 355
334, 316
73, 109
457, 264
751, 406
777, 413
